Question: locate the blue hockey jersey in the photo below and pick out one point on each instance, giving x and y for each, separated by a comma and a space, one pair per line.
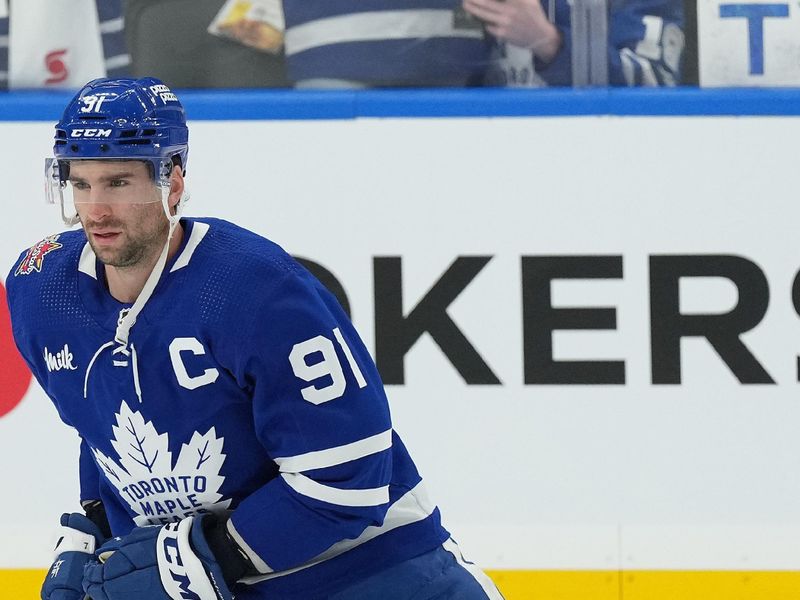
384, 42
243, 389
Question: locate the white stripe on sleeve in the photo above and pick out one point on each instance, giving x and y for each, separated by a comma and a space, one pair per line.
338, 455
255, 559
412, 507
312, 489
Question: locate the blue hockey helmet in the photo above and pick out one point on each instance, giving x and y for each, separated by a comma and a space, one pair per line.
118, 119
123, 118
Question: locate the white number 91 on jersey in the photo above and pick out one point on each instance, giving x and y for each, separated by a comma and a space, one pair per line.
328, 367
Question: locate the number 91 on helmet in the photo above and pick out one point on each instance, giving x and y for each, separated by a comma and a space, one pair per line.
135, 128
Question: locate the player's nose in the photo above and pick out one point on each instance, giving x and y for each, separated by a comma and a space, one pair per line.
97, 209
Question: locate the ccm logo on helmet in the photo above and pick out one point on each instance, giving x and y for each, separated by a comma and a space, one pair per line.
86, 133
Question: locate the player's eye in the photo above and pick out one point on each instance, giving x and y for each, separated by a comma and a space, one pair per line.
116, 183
80, 185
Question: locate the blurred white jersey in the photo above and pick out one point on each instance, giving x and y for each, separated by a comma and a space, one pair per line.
63, 44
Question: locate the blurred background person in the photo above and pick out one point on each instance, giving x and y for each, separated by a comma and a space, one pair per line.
534, 41
46, 44
383, 43
329, 43
206, 43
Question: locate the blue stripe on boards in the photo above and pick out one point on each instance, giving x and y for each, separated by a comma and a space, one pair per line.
337, 105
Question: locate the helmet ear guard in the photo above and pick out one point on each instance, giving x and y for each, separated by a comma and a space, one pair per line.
54, 185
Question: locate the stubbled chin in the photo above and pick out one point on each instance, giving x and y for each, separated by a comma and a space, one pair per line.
106, 252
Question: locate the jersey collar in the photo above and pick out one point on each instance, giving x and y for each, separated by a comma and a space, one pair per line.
93, 288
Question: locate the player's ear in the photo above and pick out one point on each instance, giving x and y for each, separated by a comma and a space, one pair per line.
176, 186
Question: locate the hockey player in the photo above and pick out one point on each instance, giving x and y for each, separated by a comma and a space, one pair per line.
235, 434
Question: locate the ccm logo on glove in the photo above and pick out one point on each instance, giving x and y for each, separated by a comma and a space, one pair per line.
182, 573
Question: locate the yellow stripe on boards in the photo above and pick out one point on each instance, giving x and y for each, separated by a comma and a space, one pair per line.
24, 584
21, 584
558, 585
648, 585
711, 585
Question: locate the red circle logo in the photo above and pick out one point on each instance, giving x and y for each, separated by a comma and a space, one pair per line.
14, 374
54, 61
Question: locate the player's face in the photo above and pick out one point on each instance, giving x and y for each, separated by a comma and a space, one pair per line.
120, 209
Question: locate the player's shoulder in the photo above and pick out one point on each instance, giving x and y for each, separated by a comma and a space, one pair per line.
45, 257
244, 252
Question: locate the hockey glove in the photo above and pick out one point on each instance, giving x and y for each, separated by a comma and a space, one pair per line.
172, 562
76, 545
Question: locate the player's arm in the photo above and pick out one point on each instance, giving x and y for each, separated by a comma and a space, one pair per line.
645, 45
322, 415
79, 533
90, 490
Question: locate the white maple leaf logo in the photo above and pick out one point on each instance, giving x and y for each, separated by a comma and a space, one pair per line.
145, 477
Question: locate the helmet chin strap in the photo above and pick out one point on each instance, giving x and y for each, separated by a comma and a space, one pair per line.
126, 323
128, 317
68, 221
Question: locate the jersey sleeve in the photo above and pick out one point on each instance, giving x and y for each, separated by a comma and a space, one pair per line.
645, 47
321, 414
20, 296
19, 299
